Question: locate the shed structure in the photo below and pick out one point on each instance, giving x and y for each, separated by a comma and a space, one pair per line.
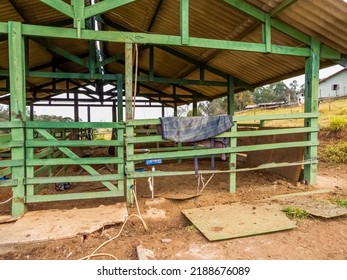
172, 52
334, 86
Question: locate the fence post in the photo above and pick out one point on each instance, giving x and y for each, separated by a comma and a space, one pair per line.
18, 112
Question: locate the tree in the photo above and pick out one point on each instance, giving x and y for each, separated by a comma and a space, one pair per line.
281, 91
294, 90
242, 99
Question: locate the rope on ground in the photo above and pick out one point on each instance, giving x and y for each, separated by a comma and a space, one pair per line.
201, 180
93, 254
4, 202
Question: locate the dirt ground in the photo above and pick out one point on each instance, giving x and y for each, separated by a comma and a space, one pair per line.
170, 234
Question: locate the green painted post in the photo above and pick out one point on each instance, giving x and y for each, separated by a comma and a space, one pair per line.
311, 106
120, 98
30, 191
120, 132
18, 112
184, 21
130, 166
233, 140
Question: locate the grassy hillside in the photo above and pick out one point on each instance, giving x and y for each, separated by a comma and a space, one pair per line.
327, 109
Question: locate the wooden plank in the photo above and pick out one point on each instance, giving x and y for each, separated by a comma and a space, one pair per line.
238, 220
93, 178
299, 194
71, 161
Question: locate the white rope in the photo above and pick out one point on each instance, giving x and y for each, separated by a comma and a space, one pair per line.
93, 254
202, 180
8, 200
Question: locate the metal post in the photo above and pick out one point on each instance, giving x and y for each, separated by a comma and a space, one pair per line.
18, 114
195, 105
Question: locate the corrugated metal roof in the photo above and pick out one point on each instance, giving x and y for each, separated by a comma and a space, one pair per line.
325, 20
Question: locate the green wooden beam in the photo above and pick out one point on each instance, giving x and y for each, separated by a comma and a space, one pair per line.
65, 75
73, 196
104, 6
247, 9
61, 52
143, 38
60, 6
69, 161
281, 7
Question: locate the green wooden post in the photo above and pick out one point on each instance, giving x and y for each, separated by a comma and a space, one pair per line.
233, 140
184, 21
30, 191
120, 98
311, 106
130, 166
18, 112
120, 132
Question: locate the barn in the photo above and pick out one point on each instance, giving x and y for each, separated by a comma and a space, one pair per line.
334, 86
127, 54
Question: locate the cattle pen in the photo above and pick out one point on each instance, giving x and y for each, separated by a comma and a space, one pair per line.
130, 54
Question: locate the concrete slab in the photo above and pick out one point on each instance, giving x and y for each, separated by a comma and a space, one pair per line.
37, 226
238, 220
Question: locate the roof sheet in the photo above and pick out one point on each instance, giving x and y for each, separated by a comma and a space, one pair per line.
208, 19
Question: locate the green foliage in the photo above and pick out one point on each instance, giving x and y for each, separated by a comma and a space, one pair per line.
296, 213
275, 93
337, 124
334, 153
191, 228
341, 202
242, 99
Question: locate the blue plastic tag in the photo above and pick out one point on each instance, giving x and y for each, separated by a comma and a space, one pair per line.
154, 161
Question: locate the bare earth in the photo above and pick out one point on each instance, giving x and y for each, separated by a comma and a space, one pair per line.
170, 234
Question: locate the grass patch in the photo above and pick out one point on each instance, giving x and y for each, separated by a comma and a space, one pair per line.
341, 202
337, 124
334, 153
191, 228
296, 213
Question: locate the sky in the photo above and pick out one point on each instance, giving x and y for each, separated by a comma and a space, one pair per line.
104, 114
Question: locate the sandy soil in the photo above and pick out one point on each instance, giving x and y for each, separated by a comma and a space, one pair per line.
170, 234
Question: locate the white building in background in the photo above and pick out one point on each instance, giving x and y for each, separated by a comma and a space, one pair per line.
334, 85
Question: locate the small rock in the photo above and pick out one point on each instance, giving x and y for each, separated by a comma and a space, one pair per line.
166, 240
